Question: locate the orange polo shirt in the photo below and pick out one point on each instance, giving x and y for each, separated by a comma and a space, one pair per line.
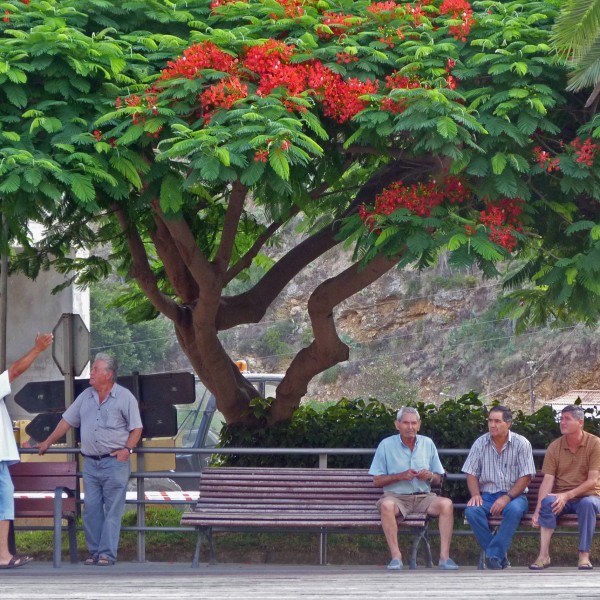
571, 469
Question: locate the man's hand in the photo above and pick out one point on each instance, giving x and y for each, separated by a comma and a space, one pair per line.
535, 518
42, 447
408, 475
43, 341
499, 505
424, 475
559, 503
121, 455
476, 500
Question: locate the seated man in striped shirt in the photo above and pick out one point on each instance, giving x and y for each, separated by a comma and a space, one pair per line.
499, 468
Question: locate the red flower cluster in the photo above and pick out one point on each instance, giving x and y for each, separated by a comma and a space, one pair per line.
342, 99
292, 8
416, 12
585, 152
545, 160
6, 17
344, 58
271, 62
379, 7
459, 9
261, 156
205, 55
397, 81
217, 3
503, 219
338, 23
222, 95
419, 198
97, 134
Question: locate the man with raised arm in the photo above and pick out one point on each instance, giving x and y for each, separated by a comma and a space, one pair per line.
9, 453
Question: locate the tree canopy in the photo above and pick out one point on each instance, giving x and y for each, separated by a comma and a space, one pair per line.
190, 134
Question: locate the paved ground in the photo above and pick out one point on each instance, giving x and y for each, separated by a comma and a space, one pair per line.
166, 581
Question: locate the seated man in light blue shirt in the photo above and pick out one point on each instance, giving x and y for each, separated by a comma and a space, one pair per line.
405, 466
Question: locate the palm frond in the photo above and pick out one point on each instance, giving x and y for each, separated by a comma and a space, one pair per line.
587, 70
577, 27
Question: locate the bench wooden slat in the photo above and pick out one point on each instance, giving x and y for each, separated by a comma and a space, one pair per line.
52, 479
291, 498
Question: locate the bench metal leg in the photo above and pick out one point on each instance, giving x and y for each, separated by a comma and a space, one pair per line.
72, 525
323, 548
422, 535
212, 558
196, 559
57, 537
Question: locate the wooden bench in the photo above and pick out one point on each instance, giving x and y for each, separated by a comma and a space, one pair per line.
293, 499
49, 481
569, 520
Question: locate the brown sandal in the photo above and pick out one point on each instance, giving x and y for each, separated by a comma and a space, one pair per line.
92, 559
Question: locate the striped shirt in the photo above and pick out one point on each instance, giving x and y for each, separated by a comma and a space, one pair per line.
498, 471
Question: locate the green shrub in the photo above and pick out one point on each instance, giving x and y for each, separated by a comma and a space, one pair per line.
364, 423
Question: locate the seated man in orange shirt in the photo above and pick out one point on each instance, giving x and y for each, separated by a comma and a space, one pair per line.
570, 485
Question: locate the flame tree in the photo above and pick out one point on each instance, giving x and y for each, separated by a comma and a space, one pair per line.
401, 130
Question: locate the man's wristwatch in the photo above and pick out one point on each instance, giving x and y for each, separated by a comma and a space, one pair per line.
510, 496
130, 450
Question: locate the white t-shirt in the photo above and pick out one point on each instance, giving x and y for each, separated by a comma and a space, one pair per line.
8, 446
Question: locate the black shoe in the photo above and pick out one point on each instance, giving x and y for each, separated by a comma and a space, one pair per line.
505, 563
493, 563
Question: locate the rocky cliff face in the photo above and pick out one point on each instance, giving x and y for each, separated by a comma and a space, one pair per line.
426, 336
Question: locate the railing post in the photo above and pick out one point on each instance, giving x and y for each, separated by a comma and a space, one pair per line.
322, 461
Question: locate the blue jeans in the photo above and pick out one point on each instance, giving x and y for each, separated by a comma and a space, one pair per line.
496, 546
586, 509
105, 488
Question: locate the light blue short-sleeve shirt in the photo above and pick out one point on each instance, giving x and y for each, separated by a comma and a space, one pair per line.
394, 456
104, 427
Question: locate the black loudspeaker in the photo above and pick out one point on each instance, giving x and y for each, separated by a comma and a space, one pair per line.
43, 425
159, 421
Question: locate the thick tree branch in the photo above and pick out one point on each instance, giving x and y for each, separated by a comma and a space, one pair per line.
183, 283
185, 243
231, 223
142, 272
327, 349
251, 306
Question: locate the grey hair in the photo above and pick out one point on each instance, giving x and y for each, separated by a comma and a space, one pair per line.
507, 415
407, 410
576, 411
110, 362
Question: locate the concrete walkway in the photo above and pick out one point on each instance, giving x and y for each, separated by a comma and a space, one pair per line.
166, 581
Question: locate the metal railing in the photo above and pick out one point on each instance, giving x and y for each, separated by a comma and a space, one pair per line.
141, 475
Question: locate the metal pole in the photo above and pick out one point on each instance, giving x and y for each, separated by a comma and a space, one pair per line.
140, 484
69, 364
531, 364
